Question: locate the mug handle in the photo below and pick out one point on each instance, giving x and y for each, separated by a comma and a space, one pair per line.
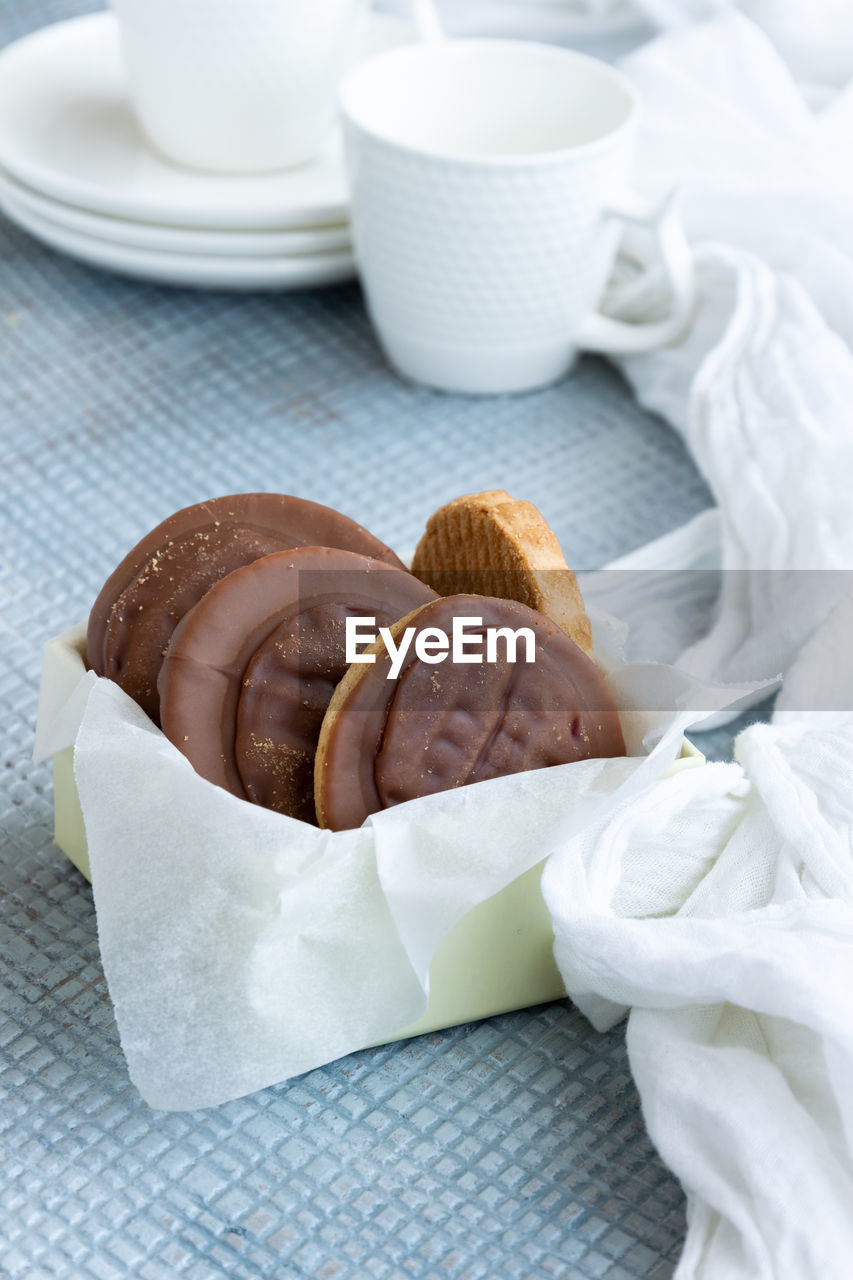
617, 337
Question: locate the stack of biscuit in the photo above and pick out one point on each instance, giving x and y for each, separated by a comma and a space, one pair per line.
228, 625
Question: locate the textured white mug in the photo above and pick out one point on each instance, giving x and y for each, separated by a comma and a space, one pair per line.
237, 85
488, 190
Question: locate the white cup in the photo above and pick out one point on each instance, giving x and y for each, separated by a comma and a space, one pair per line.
488, 189
239, 86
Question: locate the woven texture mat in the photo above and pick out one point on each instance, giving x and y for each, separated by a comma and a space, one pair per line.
513, 1147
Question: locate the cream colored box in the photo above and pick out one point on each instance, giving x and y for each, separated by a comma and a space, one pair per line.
498, 958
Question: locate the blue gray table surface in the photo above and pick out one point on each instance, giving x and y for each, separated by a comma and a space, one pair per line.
513, 1147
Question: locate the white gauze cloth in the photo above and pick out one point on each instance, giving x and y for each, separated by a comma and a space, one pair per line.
761, 386
718, 906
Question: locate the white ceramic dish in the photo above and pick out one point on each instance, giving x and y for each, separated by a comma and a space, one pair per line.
197, 271
67, 131
165, 239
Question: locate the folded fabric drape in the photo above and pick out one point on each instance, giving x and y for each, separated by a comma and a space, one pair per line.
719, 906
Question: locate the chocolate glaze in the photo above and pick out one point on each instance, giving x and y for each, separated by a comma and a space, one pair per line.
168, 572
251, 668
442, 726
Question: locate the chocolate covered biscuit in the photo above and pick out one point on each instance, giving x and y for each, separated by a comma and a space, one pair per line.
445, 724
168, 572
251, 668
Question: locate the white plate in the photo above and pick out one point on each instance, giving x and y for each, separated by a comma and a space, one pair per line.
67, 131
165, 239
197, 271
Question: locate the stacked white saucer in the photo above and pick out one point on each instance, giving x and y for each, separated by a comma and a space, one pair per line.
76, 172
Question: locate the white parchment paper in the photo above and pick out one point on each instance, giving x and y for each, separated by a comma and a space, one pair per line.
242, 947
